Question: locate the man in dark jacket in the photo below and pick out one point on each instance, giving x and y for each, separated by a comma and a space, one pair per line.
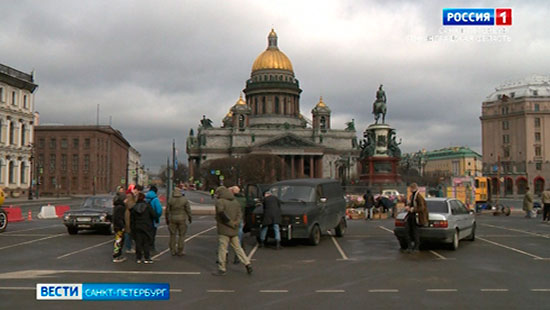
228, 217
272, 216
417, 216
178, 213
118, 224
141, 220
369, 204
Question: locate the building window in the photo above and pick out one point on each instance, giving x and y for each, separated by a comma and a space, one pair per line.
2, 94
52, 162
41, 160
276, 111
13, 98
12, 132
506, 152
538, 166
53, 143
23, 173
86, 162
505, 110
87, 143
23, 129
537, 122
535, 92
75, 143
41, 143
323, 122
505, 139
11, 171
512, 94
63, 162
241, 121
537, 136
505, 125
64, 143
25, 102
263, 105
75, 162
538, 151
537, 107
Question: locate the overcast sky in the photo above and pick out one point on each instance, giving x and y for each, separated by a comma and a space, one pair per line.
156, 67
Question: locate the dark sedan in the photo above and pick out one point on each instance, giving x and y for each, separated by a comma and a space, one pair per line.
95, 214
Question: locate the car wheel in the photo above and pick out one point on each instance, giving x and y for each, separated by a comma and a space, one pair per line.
340, 230
315, 235
402, 243
454, 243
72, 230
3, 220
472, 236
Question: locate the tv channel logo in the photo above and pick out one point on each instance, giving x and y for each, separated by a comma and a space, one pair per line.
477, 17
103, 291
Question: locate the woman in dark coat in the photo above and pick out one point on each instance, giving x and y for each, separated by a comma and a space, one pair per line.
272, 216
141, 220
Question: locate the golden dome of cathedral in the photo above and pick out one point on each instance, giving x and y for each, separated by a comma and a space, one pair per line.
272, 57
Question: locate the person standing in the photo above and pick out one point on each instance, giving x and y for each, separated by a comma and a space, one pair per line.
178, 213
141, 219
130, 201
273, 217
528, 203
152, 199
546, 205
369, 204
417, 215
242, 201
228, 217
119, 210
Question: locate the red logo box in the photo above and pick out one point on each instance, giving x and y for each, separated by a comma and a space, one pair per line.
503, 17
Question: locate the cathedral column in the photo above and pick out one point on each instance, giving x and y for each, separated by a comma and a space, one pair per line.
283, 168
292, 167
301, 167
311, 167
319, 167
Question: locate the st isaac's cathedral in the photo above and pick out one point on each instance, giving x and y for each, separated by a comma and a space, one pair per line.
268, 122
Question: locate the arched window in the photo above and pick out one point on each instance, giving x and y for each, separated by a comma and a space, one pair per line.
23, 175
23, 129
521, 184
276, 105
241, 121
508, 186
495, 186
323, 122
12, 132
539, 185
11, 171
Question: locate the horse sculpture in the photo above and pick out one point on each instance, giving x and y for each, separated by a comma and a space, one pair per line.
379, 106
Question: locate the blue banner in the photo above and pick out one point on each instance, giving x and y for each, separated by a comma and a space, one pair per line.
125, 291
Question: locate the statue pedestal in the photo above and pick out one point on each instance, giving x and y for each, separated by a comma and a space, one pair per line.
377, 170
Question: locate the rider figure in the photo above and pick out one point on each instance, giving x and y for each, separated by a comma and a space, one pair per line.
379, 106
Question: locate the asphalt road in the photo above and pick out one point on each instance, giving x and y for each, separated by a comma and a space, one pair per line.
507, 267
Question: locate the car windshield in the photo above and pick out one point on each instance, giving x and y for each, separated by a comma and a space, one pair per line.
437, 206
98, 203
288, 193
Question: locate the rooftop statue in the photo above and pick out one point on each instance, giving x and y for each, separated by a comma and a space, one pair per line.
379, 106
206, 122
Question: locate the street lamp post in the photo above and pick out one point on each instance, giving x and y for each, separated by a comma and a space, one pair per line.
31, 169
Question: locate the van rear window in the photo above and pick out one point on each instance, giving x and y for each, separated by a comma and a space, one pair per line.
287, 193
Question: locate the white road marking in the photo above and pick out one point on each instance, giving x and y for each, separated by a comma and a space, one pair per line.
438, 255
17, 288
254, 249
338, 247
25, 235
330, 291
38, 228
386, 229
31, 241
517, 230
384, 291
85, 249
544, 258
510, 248
176, 290
494, 290
540, 290
220, 291
441, 290
186, 240
273, 291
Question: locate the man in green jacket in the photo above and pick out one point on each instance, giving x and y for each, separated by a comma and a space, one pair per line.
228, 218
178, 212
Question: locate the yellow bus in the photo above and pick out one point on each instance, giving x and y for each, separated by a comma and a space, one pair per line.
482, 189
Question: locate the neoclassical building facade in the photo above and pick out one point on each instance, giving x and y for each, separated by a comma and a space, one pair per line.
268, 121
16, 130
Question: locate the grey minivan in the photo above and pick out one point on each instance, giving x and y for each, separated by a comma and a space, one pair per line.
449, 222
309, 207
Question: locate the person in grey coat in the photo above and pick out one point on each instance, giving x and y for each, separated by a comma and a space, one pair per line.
178, 213
272, 217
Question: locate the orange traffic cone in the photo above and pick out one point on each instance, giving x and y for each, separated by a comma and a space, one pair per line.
29, 216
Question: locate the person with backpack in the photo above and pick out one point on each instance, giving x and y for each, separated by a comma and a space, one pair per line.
178, 213
141, 218
152, 199
118, 223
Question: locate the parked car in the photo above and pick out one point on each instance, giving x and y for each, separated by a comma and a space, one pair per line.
309, 208
95, 214
390, 193
449, 222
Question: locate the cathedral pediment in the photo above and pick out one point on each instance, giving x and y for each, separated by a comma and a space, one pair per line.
287, 141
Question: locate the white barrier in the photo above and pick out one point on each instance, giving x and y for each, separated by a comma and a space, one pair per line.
47, 212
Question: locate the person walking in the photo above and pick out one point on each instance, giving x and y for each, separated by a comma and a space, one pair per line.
272, 217
242, 202
417, 215
528, 203
369, 204
152, 199
545, 197
228, 217
141, 219
118, 224
130, 201
178, 213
